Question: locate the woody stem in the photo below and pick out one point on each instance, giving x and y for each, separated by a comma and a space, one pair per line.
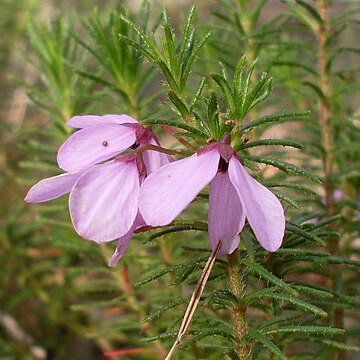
326, 128
238, 310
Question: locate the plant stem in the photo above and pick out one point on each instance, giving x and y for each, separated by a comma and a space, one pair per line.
238, 310
325, 114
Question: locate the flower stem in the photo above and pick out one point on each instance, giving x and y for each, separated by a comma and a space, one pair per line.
326, 113
238, 310
160, 149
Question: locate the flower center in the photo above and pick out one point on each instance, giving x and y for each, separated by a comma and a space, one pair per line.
135, 145
223, 165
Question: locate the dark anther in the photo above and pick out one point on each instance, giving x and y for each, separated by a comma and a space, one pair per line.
223, 165
105, 143
135, 145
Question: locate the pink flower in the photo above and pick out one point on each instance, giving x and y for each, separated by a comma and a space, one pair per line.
104, 197
103, 137
234, 195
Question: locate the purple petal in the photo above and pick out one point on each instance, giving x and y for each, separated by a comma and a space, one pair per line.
226, 214
104, 201
154, 160
121, 247
124, 241
52, 188
94, 144
80, 122
263, 209
168, 191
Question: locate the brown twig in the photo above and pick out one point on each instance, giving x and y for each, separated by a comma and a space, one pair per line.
195, 298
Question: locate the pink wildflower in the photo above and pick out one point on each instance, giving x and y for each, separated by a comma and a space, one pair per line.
103, 197
234, 195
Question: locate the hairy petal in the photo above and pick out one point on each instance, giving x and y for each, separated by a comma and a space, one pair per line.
168, 191
124, 241
94, 144
83, 121
226, 215
52, 188
263, 209
104, 202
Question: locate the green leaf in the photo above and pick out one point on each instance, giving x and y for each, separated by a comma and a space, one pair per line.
297, 230
200, 334
177, 124
335, 33
339, 345
309, 69
267, 343
276, 320
286, 167
316, 89
179, 104
271, 142
172, 229
185, 33
148, 45
188, 62
299, 12
168, 75
198, 94
165, 335
292, 186
316, 293
226, 90
143, 50
260, 94
158, 274
282, 117
286, 198
320, 330
169, 44
261, 271
156, 314
257, 10
311, 10
238, 78
254, 297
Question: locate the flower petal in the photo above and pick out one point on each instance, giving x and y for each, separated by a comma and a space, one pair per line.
226, 214
263, 209
94, 144
168, 191
121, 247
124, 241
104, 202
83, 121
154, 160
52, 188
